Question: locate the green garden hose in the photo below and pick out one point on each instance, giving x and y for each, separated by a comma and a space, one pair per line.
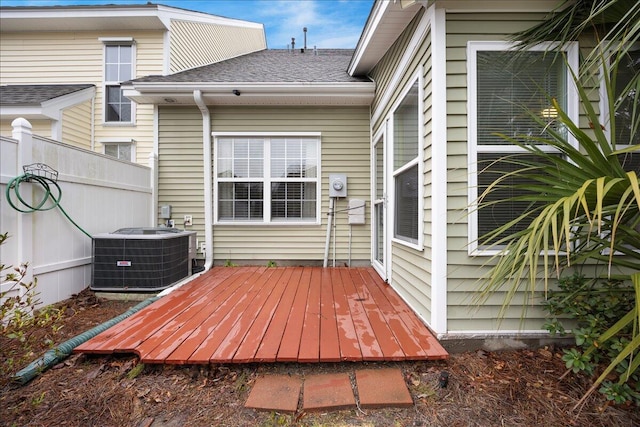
64, 350
52, 195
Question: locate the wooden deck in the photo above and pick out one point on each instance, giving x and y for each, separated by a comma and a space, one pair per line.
283, 314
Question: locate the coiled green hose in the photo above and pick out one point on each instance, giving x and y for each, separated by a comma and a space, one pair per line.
48, 184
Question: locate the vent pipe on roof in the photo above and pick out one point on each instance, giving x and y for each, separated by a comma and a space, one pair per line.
305, 39
293, 43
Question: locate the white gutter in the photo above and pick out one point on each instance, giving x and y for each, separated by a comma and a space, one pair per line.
208, 179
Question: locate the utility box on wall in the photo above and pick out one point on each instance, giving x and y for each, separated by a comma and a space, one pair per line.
337, 185
356, 211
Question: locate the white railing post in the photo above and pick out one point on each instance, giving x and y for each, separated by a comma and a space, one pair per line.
22, 132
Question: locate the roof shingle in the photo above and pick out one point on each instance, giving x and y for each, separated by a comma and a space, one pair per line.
270, 66
36, 94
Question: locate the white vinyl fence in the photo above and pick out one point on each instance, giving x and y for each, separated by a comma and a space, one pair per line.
101, 194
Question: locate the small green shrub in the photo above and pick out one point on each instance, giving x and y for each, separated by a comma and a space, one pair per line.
23, 327
594, 307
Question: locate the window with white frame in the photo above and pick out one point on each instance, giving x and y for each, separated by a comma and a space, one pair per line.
118, 68
406, 143
267, 179
119, 150
505, 88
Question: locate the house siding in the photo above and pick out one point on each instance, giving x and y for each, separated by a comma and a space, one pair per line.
38, 127
77, 57
464, 270
411, 268
76, 125
344, 149
194, 43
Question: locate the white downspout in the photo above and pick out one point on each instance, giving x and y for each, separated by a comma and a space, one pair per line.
208, 178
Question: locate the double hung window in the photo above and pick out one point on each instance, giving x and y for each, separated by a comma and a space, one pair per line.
270, 179
118, 68
504, 89
406, 167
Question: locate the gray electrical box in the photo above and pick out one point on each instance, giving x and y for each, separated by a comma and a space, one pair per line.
165, 211
356, 211
337, 185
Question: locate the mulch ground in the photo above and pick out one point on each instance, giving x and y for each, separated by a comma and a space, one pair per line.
513, 388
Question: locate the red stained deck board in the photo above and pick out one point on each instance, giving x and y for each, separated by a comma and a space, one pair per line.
218, 327
433, 349
329, 341
408, 342
349, 344
155, 330
245, 319
258, 314
137, 327
251, 342
366, 337
388, 344
310, 338
168, 341
268, 348
290, 344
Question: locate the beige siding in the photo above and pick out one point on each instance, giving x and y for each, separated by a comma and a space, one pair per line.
76, 125
77, 57
39, 127
464, 271
345, 149
194, 44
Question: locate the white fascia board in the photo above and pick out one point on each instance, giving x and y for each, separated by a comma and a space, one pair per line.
51, 109
78, 12
364, 91
62, 102
368, 32
167, 13
17, 111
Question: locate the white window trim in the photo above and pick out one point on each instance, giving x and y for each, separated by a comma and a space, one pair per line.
113, 41
473, 47
418, 160
267, 191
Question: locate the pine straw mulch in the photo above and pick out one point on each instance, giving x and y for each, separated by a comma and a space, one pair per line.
513, 388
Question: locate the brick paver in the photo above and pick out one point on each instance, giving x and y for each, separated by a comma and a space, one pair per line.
378, 388
275, 393
328, 392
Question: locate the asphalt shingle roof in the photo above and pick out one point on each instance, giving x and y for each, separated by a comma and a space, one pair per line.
36, 94
271, 66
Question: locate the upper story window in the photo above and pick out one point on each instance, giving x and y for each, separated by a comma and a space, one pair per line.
504, 88
119, 64
406, 167
267, 179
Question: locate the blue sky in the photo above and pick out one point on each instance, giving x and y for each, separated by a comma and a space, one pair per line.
330, 23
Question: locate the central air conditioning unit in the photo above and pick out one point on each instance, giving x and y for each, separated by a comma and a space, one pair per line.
141, 259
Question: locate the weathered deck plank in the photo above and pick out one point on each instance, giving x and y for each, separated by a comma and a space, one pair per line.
284, 314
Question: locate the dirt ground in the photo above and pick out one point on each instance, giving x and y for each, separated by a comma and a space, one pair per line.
514, 388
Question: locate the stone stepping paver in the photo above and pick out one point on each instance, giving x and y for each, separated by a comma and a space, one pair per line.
275, 393
381, 388
328, 392
376, 388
